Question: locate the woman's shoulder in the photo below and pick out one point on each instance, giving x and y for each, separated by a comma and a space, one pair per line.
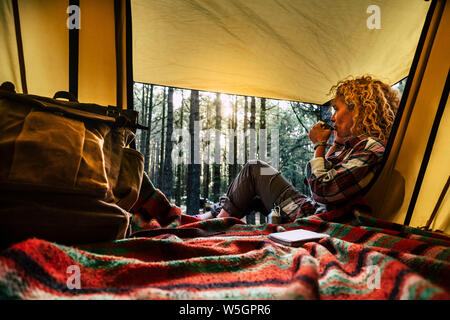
368, 143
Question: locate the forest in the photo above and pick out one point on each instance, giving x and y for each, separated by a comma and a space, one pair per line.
197, 141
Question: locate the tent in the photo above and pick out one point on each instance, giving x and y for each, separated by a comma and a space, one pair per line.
286, 49
280, 49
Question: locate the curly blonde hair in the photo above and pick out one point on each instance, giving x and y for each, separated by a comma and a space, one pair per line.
375, 104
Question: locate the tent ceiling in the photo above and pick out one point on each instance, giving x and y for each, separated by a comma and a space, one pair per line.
289, 49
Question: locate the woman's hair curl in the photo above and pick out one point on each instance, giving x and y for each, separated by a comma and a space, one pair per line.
375, 104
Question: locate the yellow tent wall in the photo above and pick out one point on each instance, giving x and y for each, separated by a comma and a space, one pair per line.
431, 94
9, 57
45, 38
408, 154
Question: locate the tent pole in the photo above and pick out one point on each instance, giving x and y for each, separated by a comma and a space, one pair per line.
438, 204
23, 76
129, 55
74, 44
428, 150
118, 25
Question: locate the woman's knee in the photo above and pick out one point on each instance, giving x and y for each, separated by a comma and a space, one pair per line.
260, 167
256, 163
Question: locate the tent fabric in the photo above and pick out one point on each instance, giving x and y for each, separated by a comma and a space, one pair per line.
291, 50
97, 69
45, 45
438, 168
45, 37
411, 140
438, 171
9, 57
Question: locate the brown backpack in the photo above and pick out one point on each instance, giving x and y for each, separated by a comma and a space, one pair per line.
66, 173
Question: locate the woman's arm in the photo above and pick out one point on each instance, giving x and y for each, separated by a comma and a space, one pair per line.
320, 152
337, 183
319, 134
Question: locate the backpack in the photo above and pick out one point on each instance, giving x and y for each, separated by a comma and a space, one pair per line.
66, 171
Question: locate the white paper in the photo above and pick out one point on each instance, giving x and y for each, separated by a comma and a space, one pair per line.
298, 235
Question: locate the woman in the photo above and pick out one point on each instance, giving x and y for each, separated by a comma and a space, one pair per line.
364, 111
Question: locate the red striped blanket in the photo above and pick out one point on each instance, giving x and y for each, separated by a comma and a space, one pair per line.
365, 258
357, 262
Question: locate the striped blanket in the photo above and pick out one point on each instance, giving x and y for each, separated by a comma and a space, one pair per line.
365, 258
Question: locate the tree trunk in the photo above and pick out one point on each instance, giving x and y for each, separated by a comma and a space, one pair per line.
206, 167
180, 166
252, 153
161, 154
167, 182
193, 187
154, 160
252, 136
262, 142
230, 139
144, 116
245, 130
235, 164
217, 158
149, 132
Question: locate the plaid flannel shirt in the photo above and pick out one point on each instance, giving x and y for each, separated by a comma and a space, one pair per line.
338, 177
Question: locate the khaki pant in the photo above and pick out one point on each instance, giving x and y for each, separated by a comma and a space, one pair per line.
257, 187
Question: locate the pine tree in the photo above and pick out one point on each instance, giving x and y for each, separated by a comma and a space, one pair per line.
245, 129
193, 186
149, 125
144, 116
180, 166
231, 149
161, 149
206, 153
217, 149
252, 151
235, 147
167, 181
262, 145
252, 136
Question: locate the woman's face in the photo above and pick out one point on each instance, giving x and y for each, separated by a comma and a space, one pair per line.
343, 120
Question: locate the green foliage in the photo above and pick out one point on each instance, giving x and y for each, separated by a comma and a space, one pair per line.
292, 120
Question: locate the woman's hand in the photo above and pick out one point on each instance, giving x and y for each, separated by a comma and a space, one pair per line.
318, 133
